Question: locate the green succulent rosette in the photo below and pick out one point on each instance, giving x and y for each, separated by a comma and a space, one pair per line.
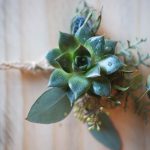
90, 76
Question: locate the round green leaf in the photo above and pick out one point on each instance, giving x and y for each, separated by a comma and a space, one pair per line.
108, 135
52, 55
79, 85
67, 42
52, 106
101, 87
110, 64
58, 78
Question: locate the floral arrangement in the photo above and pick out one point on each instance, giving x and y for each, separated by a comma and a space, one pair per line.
91, 75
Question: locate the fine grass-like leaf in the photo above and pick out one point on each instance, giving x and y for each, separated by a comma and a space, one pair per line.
101, 87
148, 86
148, 82
52, 55
120, 88
110, 64
96, 45
79, 85
59, 78
108, 134
65, 61
67, 42
52, 106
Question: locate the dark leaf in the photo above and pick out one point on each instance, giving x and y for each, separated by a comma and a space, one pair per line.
65, 61
52, 106
108, 135
67, 42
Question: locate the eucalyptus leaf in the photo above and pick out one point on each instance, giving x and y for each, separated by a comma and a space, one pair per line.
59, 78
52, 106
67, 42
79, 85
108, 135
65, 61
52, 55
96, 45
110, 46
93, 72
101, 87
110, 64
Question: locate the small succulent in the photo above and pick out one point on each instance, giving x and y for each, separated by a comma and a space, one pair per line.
83, 63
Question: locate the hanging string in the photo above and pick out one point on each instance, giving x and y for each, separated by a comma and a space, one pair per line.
33, 66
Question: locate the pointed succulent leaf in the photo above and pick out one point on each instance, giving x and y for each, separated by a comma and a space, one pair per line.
52, 55
96, 45
97, 23
108, 135
65, 61
93, 72
67, 42
79, 85
84, 33
77, 22
110, 64
71, 96
59, 78
53, 101
101, 87
81, 51
110, 46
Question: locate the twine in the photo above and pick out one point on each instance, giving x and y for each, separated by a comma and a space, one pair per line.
27, 66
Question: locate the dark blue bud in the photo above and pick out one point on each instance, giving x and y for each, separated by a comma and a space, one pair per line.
77, 22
